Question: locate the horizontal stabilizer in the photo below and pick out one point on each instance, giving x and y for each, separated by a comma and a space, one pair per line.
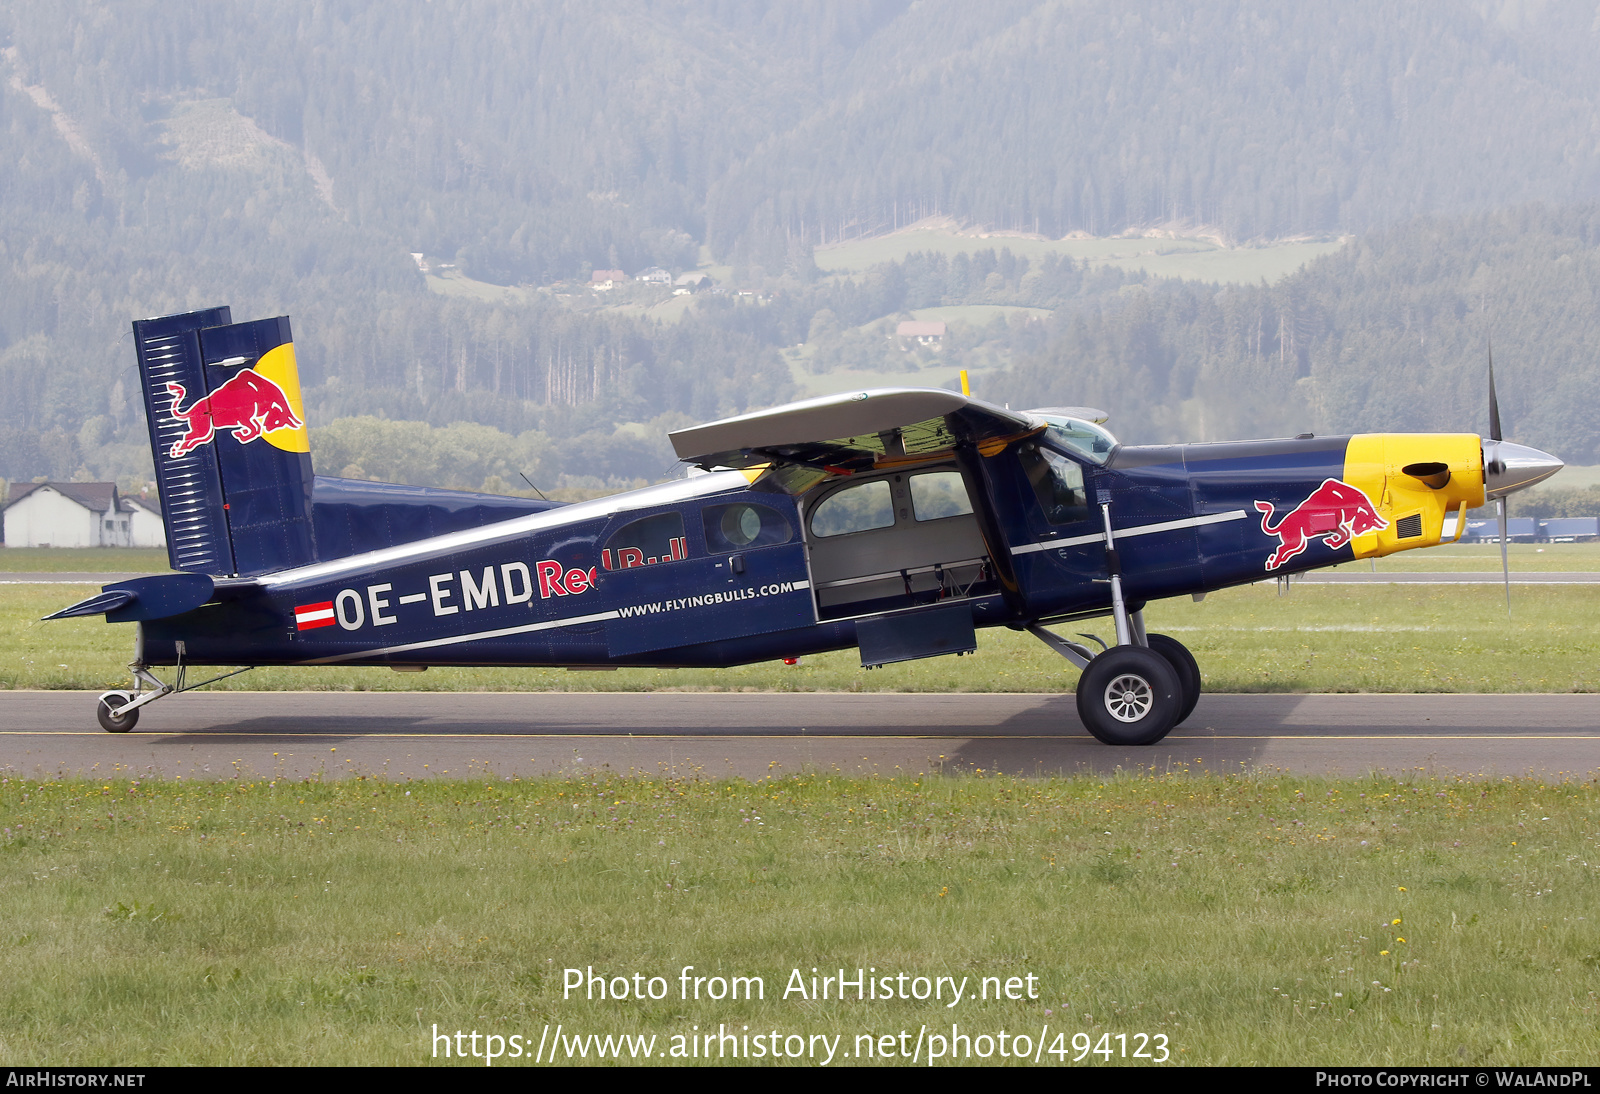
98, 604
144, 598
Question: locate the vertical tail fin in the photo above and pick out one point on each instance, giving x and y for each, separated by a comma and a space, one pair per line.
227, 431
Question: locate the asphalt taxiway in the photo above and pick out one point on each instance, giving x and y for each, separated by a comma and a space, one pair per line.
400, 735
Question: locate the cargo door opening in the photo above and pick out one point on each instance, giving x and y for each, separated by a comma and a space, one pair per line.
892, 542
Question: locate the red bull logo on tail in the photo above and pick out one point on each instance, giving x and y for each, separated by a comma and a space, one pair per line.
1335, 513
249, 404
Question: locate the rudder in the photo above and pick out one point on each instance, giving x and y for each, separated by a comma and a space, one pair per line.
227, 432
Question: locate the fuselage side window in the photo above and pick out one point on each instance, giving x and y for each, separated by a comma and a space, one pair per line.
646, 542
855, 509
937, 494
742, 525
1057, 482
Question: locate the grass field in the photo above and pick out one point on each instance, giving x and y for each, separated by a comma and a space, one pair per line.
1244, 920
454, 283
1574, 477
1191, 259
1485, 558
1373, 638
90, 559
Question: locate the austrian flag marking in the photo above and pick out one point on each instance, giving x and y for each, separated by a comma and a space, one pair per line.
311, 616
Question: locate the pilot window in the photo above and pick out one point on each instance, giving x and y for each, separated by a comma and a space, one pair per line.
646, 542
938, 494
856, 509
1057, 482
1085, 438
736, 527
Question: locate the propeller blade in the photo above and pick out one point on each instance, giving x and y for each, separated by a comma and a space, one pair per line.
1494, 403
1505, 563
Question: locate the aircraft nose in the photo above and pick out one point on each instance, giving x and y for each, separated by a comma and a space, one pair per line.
1509, 467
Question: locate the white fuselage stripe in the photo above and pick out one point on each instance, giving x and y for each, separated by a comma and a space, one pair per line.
457, 639
505, 531
1127, 533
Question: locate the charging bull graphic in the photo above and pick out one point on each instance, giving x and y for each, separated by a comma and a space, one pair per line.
1335, 513
249, 404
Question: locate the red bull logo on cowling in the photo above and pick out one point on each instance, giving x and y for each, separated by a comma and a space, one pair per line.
1335, 513
249, 404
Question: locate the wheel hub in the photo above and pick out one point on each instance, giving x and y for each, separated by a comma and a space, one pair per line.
1129, 697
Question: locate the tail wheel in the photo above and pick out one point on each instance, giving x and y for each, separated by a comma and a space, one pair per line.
1129, 695
108, 710
1184, 664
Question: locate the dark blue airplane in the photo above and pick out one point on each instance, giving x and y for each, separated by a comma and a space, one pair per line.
896, 521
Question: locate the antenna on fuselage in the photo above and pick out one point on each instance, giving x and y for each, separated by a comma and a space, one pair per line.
534, 488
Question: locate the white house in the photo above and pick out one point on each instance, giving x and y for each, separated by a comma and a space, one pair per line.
923, 332
80, 514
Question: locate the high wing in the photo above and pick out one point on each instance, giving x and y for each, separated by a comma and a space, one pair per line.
854, 431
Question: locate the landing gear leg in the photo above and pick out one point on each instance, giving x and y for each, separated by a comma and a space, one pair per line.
1136, 691
118, 711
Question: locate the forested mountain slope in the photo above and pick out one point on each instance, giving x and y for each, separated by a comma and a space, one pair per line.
540, 139
285, 156
1390, 333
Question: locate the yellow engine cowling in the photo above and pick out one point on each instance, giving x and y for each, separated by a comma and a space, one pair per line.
1421, 483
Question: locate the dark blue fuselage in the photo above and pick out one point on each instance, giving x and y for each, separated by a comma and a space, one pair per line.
673, 575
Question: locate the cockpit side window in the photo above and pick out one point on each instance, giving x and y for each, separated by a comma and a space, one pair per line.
1076, 435
1057, 482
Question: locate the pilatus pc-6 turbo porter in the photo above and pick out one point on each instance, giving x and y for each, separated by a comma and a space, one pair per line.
896, 521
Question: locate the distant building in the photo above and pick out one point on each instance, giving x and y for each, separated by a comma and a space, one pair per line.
1569, 529
1518, 530
80, 514
693, 277
655, 275
922, 332
600, 277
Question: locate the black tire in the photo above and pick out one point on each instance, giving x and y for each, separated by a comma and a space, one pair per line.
110, 720
1129, 695
1187, 668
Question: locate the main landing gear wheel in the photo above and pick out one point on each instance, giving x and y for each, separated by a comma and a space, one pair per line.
107, 711
1129, 695
1184, 664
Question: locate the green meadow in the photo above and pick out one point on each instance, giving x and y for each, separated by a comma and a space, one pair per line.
56, 560
1258, 638
1250, 919
1229, 920
1189, 259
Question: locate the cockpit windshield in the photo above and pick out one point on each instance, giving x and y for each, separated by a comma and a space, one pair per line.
1091, 441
